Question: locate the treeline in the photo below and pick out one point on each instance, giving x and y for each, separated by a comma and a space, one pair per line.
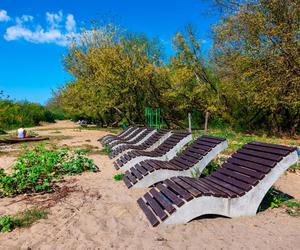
250, 80
15, 114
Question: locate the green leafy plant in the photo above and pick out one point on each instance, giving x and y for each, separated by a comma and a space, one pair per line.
106, 150
119, 177
273, 199
38, 168
22, 219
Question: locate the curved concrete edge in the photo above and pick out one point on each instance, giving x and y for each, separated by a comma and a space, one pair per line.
136, 144
162, 174
245, 205
155, 145
169, 155
133, 138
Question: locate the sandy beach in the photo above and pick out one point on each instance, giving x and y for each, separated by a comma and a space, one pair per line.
101, 213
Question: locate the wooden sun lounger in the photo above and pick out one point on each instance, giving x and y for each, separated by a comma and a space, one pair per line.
236, 189
128, 137
152, 142
167, 150
145, 135
136, 139
195, 156
123, 134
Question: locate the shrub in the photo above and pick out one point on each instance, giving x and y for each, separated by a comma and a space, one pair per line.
38, 168
119, 177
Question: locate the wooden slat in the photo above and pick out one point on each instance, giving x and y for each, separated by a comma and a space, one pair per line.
170, 195
155, 164
238, 176
183, 193
194, 184
165, 203
149, 214
232, 181
147, 166
198, 155
205, 143
179, 165
136, 173
141, 169
214, 137
130, 177
227, 186
254, 159
197, 146
291, 149
217, 189
127, 181
155, 207
281, 152
195, 192
263, 155
242, 170
251, 165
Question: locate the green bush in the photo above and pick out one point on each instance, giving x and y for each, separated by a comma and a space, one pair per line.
119, 177
38, 168
14, 114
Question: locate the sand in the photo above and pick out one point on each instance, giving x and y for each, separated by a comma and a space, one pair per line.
103, 214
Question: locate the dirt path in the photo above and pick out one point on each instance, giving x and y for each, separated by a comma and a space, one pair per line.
103, 214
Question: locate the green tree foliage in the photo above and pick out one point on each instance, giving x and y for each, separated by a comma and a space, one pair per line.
256, 50
251, 79
14, 114
115, 72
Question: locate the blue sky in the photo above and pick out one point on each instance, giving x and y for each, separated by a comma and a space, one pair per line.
33, 35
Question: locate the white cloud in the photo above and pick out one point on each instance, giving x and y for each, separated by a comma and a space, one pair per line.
57, 30
3, 16
54, 19
70, 23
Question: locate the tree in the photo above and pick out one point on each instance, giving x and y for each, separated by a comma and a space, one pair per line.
256, 50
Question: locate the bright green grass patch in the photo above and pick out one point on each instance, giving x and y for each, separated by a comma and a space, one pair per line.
22, 219
119, 177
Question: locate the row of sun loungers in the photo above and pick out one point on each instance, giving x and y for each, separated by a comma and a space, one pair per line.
235, 189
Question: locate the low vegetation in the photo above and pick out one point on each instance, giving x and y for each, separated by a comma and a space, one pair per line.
38, 168
106, 150
119, 177
21, 219
293, 208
